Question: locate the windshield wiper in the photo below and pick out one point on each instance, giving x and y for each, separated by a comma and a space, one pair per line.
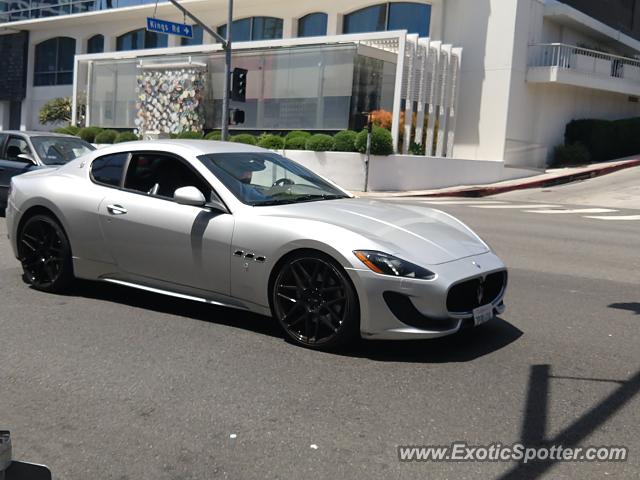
299, 199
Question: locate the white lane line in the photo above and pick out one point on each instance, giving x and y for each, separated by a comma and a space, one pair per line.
575, 210
460, 202
615, 217
513, 206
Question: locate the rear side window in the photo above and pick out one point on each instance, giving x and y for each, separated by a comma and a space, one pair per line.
108, 169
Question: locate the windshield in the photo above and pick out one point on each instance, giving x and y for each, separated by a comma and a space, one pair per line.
60, 150
261, 178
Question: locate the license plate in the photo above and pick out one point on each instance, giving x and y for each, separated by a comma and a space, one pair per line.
482, 314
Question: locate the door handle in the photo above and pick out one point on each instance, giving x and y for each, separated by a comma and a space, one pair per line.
116, 209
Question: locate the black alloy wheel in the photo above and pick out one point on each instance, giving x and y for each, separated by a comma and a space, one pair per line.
45, 254
315, 302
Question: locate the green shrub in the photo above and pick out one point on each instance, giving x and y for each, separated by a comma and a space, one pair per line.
67, 130
575, 154
605, 139
88, 134
190, 135
215, 135
295, 143
73, 130
274, 142
381, 141
319, 143
416, 149
345, 141
106, 136
244, 138
296, 133
126, 137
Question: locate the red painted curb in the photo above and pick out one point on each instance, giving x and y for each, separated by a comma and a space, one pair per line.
547, 182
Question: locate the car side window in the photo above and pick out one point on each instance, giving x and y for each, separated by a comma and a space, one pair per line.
108, 169
3, 138
17, 146
161, 175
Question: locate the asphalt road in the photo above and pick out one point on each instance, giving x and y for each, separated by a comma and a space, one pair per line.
111, 383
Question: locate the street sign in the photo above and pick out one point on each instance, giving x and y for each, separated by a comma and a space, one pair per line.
170, 28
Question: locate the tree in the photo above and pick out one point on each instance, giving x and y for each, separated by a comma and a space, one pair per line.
59, 110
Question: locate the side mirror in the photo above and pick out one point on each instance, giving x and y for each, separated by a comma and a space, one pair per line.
27, 157
189, 196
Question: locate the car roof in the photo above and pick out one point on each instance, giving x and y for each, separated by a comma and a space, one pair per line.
199, 147
29, 133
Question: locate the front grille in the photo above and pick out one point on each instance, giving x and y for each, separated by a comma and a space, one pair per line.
465, 296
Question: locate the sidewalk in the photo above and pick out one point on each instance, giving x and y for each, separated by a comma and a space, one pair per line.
554, 176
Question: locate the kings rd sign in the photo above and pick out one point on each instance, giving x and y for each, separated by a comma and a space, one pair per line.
170, 28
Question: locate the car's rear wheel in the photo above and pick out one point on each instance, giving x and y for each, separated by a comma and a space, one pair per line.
45, 254
315, 302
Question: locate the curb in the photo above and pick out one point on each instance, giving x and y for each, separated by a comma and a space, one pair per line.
546, 182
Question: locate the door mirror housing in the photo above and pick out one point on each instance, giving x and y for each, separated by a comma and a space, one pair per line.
28, 158
189, 196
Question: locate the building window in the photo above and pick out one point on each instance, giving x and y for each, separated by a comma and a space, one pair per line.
197, 38
253, 28
54, 62
413, 17
141, 39
95, 44
312, 25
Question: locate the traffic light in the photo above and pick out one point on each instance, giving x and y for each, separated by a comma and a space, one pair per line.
239, 85
237, 116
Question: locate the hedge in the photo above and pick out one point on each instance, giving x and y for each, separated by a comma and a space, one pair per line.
297, 133
106, 136
190, 135
575, 154
274, 142
88, 134
381, 141
126, 137
244, 138
605, 139
345, 141
295, 143
213, 136
319, 143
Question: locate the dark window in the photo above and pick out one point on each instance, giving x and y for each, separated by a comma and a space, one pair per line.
413, 17
54, 62
141, 39
17, 146
108, 169
197, 38
161, 175
95, 44
253, 28
312, 25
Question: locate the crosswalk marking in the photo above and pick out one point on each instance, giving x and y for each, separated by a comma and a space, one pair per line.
614, 217
513, 206
574, 210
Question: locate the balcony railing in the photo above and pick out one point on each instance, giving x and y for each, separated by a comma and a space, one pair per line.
590, 62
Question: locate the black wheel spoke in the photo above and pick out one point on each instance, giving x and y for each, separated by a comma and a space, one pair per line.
29, 244
317, 311
42, 251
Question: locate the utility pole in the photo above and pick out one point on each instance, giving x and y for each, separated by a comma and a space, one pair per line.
226, 46
227, 75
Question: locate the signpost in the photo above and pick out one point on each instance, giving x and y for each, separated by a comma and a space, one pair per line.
170, 28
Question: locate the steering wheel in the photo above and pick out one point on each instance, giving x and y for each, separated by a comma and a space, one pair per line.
283, 181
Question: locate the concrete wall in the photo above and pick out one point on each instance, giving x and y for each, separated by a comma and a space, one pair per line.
402, 172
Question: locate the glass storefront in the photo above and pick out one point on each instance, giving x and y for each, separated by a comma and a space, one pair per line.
319, 87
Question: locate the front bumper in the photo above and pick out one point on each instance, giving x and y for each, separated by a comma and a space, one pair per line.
404, 308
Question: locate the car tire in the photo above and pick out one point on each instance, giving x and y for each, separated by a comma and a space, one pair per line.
314, 301
45, 254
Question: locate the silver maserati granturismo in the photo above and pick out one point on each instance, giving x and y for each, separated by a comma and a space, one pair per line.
240, 226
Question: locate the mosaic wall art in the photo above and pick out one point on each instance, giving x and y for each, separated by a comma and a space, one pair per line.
170, 100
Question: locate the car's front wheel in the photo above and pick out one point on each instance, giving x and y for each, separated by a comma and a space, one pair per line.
315, 302
45, 254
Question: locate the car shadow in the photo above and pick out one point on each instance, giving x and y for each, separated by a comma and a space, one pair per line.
464, 346
461, 347
176, 306
630, 306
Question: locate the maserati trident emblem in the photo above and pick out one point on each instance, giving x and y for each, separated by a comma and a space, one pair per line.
480, 291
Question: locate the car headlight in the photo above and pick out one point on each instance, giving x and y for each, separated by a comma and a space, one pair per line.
386, 264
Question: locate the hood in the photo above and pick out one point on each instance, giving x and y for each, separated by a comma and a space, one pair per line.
414, 232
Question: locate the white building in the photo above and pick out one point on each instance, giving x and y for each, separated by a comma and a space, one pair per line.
527, 67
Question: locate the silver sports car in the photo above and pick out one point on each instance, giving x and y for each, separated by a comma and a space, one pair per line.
240, 226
